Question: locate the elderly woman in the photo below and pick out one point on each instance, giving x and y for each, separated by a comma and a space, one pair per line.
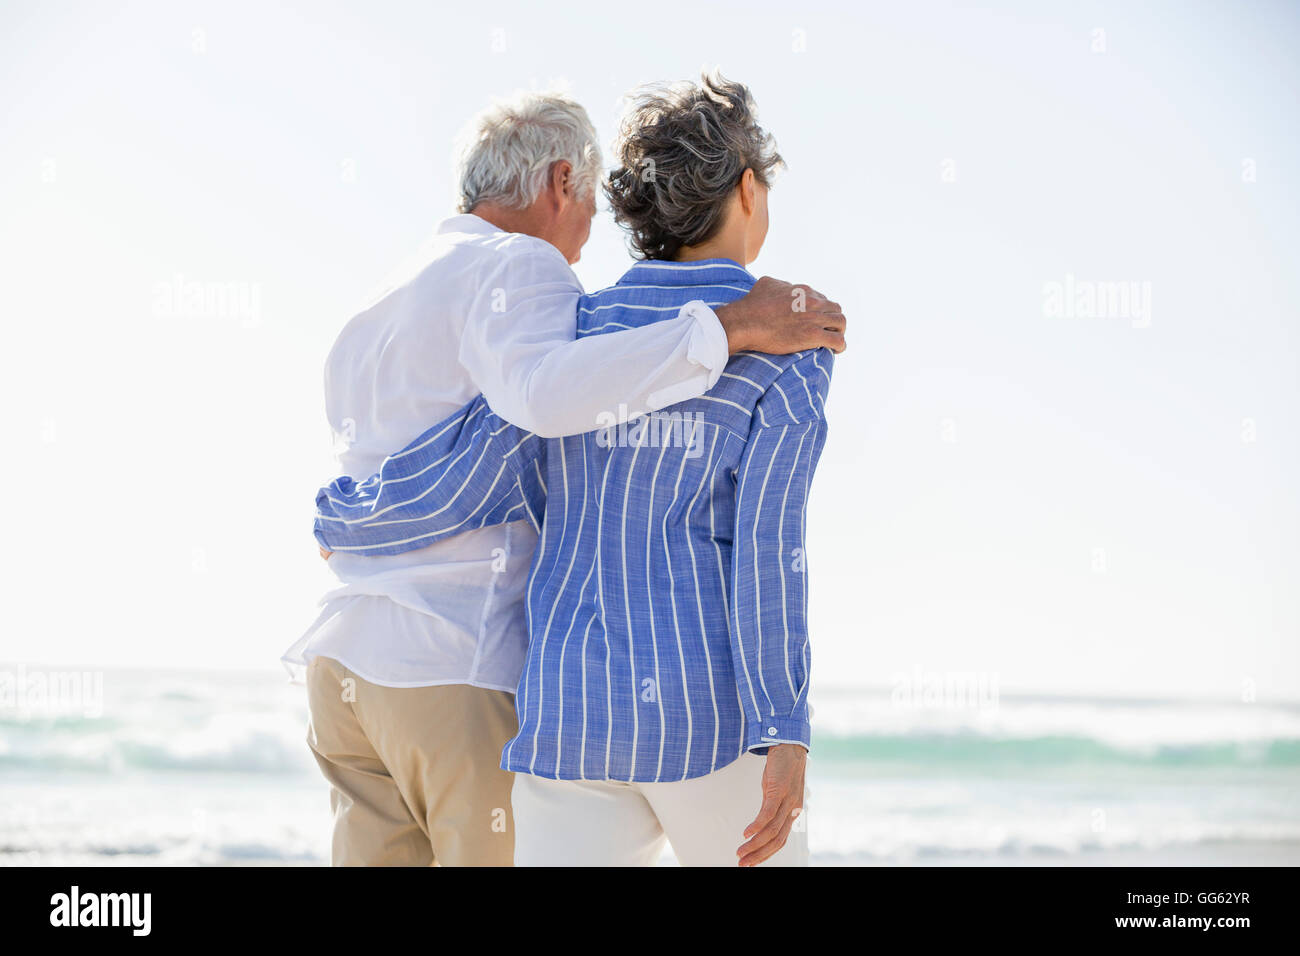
665, 689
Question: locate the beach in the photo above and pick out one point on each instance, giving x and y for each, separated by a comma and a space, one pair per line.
212, 769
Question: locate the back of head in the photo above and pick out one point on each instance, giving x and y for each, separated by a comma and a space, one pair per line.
681, 152
507, 150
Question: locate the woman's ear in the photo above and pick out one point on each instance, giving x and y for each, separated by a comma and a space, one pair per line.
748, 202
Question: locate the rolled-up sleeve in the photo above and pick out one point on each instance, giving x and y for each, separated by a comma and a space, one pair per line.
520, 348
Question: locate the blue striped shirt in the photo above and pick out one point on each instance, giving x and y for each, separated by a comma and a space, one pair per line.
667, 597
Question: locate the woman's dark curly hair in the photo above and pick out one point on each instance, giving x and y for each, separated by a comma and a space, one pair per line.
681, 150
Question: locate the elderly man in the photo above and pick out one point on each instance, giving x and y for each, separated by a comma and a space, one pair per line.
665, 691
412, 663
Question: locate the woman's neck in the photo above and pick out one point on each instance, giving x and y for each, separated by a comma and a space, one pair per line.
719, 247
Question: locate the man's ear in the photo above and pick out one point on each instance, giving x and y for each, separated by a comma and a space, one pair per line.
748, 201
562, 179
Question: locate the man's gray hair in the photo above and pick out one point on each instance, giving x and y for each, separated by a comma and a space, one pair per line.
681, 152
507, 151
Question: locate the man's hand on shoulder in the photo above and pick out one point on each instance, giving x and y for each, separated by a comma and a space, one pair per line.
781, 318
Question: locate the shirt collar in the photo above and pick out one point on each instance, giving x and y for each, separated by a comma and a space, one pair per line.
694, 272
466, 222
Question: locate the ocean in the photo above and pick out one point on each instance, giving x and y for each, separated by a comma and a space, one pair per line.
211, 769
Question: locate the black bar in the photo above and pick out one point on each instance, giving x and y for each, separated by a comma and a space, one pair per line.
581, 908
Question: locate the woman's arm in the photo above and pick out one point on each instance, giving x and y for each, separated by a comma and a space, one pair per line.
469, 471
769, 600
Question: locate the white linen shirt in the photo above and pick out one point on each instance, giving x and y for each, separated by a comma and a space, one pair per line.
476, 310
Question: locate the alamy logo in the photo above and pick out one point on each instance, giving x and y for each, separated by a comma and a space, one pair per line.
102, 909
657, 430
27, 693
183, 298
1090, 299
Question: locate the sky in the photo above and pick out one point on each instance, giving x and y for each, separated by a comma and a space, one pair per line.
1064, 449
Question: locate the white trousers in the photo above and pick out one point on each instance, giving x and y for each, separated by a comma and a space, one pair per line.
612, 823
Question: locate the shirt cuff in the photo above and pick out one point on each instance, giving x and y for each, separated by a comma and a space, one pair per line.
708, 344
706, 351
777, 730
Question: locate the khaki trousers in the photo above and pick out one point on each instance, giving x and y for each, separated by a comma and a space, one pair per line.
414, 771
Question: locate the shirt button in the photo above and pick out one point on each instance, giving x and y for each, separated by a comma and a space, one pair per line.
771, 731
